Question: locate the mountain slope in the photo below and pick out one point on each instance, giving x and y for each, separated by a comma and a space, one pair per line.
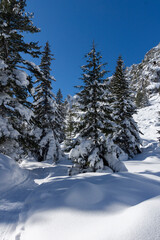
144, 77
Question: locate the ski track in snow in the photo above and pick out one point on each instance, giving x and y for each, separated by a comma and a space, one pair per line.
48, 204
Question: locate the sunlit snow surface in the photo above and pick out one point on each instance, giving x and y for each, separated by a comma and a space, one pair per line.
41, 202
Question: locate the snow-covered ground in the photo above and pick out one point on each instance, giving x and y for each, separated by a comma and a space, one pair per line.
39, 201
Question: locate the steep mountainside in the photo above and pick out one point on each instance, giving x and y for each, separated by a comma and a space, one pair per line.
145, 76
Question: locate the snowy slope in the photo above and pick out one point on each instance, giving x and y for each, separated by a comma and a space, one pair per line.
12, 181
10, 172
48, 204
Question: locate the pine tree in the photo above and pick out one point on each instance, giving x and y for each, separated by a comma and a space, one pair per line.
14, 110
141, 98
126, 133
61, 114
94, 123
14, 83
91, 97
13, 22
69, 122
59, 97
45, 111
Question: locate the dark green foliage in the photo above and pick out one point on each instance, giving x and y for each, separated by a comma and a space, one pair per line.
15, 109
46, 115
141, 98
61, 114
94, 121
121, 92
70, 124
13, 22
43, 97
59, 97
92, 98
15, 85
126, 133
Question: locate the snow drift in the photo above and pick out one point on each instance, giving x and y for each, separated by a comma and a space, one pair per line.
10, 173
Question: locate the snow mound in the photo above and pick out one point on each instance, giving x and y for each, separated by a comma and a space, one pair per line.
10, 173
140, 222
83, 194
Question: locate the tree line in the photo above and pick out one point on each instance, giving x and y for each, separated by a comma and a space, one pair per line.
96, 126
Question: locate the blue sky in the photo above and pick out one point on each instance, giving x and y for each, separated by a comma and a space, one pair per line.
126, 27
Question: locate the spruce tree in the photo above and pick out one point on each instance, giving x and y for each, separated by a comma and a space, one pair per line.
61, 114
70, 123
14, 83
94, 123
59, 97
126, 133
91, 98
46, 116
141, 98
14, 21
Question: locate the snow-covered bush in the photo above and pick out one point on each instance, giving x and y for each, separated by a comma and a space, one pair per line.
114, 156
88, 157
